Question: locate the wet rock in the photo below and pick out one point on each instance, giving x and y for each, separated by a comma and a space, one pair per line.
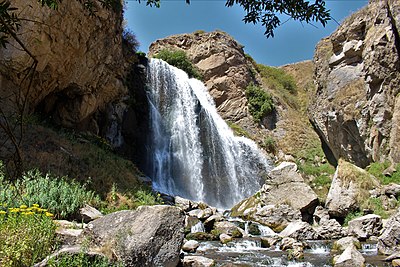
330, 229
346, 190
135, 235
197, 261
345, 242
350, 257
297, 252
206, 213
224, 238
287, 243
300, 231
228, 228
253, 229
190, 246
394, 256
209, 223
194, 213
269, 242
190, 221
396, 262
88, 214
389, 241
200, 236
365, 226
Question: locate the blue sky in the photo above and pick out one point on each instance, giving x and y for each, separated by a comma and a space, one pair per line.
293, 41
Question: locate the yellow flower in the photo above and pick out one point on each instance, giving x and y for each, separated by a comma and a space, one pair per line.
48, 214
2, 212
23, 206
35, 205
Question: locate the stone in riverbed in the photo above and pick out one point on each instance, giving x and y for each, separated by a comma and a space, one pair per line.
197, 261
345, 242
300, 231
228, 228
365, 226
224, 238
330, 229
350, 257
190, 246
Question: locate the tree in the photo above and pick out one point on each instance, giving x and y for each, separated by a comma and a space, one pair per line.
268, 12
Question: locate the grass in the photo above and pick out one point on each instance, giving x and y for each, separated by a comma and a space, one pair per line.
237, 130
27, 235
277, 79
377, 168
179, 59
259, 101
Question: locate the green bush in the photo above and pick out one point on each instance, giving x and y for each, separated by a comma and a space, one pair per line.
179, 59
277, 78
146, 197
260, 102
269, 144
61, 196
27, 235
351, 216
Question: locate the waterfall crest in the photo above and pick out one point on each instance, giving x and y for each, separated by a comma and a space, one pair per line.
192, 152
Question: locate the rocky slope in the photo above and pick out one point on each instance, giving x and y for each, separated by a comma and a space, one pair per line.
356, 106
79, 60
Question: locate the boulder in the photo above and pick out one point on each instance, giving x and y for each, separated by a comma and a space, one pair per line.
350, 257
392, 189
345, 242
197, 261
299, 231
148, 236
365, 226
396, 262
224, 238
321, 215
350, 187
190, 246
284, 198
88, 214
206, 213
287, 243
389, 241
330, 229
228, 228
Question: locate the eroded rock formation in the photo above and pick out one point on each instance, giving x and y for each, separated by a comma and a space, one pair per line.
80, 60
357, 69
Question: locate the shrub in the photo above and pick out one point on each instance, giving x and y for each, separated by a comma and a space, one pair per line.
260, 102
27, 235
269, 144
179, 59
277, 78
351, 216
61, 196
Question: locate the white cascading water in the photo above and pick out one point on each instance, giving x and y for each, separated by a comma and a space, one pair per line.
192, 151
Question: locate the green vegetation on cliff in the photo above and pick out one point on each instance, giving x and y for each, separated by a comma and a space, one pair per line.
259, 101
179, 59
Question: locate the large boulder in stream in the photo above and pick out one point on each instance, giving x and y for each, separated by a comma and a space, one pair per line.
284, 188
350, 257
350, 187
148, 236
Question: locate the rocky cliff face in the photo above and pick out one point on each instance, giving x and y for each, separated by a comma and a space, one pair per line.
80, 60
356, 109
225, 69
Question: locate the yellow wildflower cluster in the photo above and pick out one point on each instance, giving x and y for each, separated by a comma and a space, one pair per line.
25, 210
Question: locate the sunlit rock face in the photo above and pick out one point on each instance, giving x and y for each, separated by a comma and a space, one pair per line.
225, 69
357, 71
79, 59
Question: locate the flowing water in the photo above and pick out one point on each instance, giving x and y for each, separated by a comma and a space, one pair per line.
192, 152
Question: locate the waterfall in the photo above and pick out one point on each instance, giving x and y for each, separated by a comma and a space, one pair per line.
192, 152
